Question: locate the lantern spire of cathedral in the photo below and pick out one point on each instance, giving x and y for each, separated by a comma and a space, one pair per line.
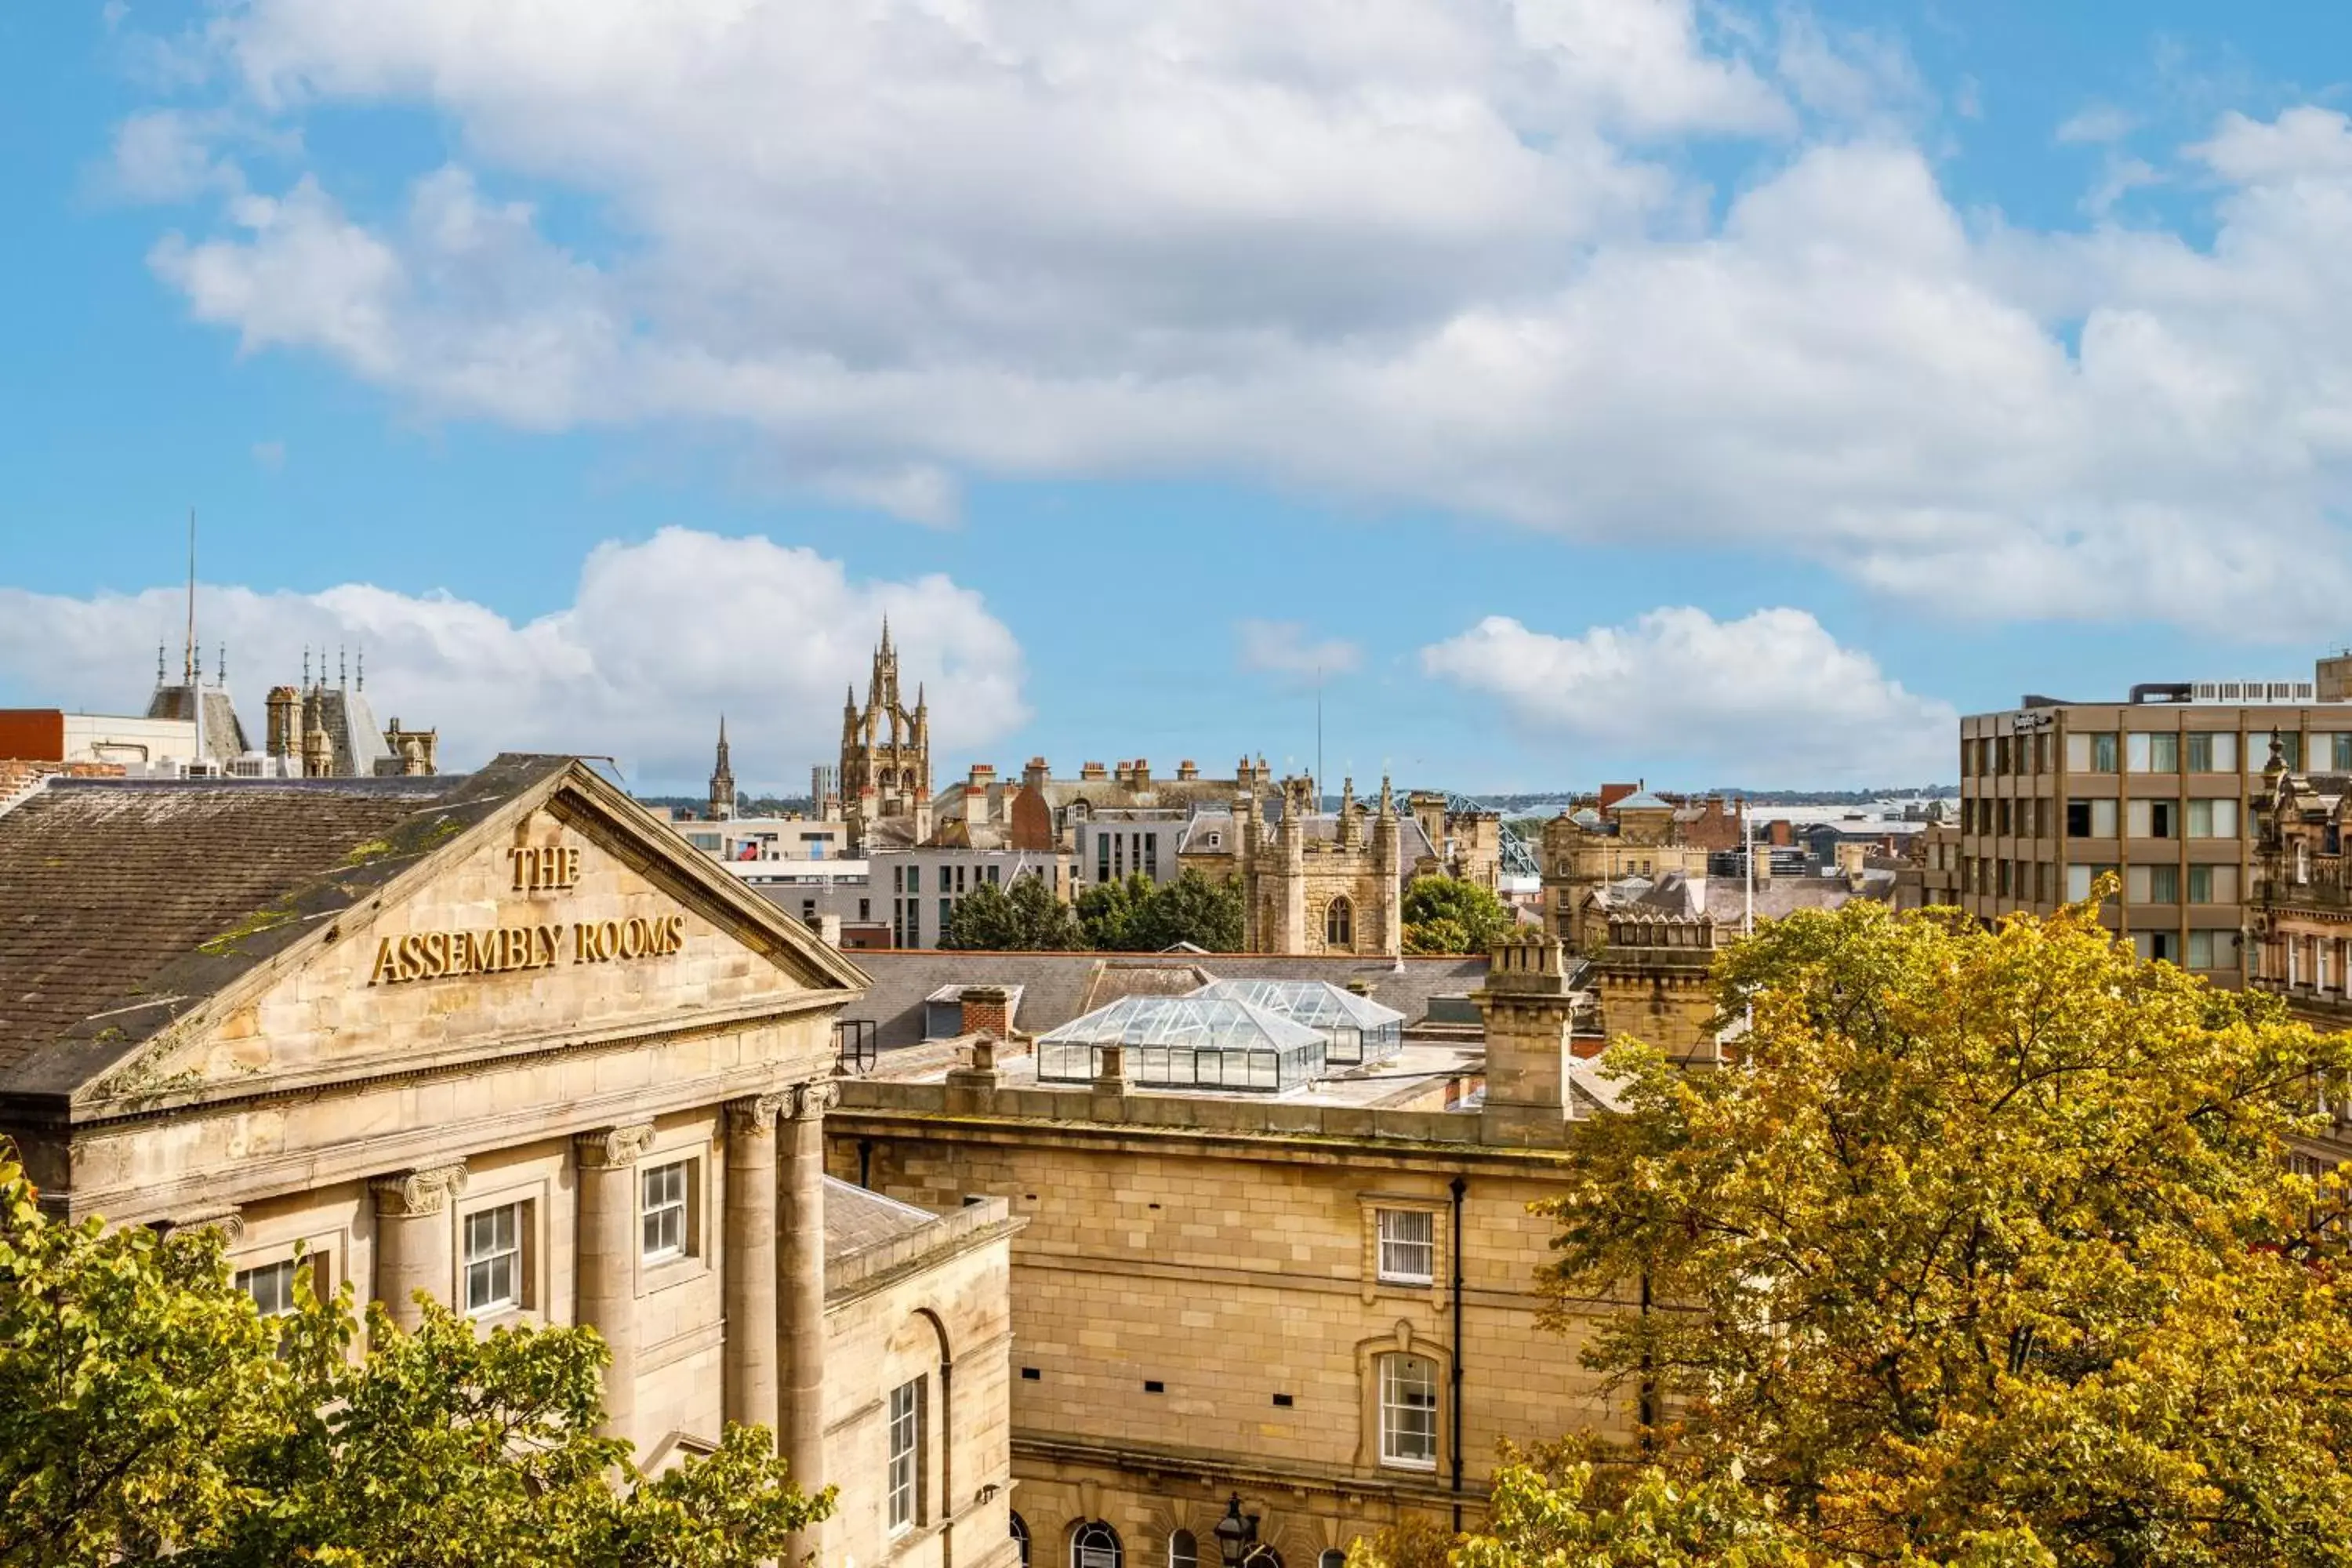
886, 754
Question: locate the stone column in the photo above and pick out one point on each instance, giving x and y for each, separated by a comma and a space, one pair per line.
800, 1283
412, 1238
607, 1254
751, 1260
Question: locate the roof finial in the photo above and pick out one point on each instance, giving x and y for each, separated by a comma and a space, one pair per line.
342, 667
220, 668
362, 667
306, 666
159, 661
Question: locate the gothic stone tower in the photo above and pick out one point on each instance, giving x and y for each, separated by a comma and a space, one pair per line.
722, 780
1305, 893
886, 754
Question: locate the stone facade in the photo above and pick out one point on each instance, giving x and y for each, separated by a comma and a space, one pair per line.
1652, 978
1216, 1295
1306, 893
1466, 845
516, 1045
2300, 925
1587, 852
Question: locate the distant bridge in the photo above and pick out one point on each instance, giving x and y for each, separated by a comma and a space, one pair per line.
1518, 858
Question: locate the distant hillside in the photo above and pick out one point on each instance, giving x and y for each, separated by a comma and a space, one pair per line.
1551, 801
745, 805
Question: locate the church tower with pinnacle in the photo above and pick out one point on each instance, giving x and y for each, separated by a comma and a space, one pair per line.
886, 758
722, 780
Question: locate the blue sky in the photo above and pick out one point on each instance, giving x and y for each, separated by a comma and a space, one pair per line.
1712, 394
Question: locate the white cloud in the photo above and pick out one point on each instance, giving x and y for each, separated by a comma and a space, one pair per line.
2095, 123
1406, 252
1284, 649
1771, 695
167, 155
660, 639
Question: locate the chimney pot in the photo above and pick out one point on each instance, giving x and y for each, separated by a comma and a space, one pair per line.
987, 1010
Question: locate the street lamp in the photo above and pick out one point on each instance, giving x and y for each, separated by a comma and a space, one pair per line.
1236, 1534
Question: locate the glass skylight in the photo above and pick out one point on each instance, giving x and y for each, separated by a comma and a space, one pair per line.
1355, 1029
1186, 1042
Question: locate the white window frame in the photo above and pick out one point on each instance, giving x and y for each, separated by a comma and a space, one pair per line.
903, 1477
1187, 1554
280, 1277
1410, 1437
1398, 1248
665, 1221
509, 1250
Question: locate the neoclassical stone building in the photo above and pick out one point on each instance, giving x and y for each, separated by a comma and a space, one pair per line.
508, 1040
1321, 1300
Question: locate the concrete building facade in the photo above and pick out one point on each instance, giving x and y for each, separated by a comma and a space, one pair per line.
2155, 789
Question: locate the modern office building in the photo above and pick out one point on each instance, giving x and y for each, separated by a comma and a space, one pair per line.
2154, 788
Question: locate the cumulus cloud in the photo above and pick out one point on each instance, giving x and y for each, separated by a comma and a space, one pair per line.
1410, 252
1284, 649
660, 639
1771, 695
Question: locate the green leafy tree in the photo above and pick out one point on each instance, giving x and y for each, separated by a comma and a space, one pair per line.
1443, 914
1194, 909
1136, 914
1111, 913
1027, 917
1986, 1249
147, 1412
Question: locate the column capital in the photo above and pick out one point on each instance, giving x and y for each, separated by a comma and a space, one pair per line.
411, 1195
755, 1114
812, 1100
612, 1148
228, 1224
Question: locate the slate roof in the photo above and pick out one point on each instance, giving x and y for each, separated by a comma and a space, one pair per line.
1786, 895
1059, 987
124, 904
857, 1220
1641, 801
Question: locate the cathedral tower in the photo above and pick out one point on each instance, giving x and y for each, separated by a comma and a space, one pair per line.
886, 755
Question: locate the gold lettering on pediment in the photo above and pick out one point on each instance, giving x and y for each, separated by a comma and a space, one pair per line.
509, 950
545, 868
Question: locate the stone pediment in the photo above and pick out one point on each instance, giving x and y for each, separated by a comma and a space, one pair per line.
569, 919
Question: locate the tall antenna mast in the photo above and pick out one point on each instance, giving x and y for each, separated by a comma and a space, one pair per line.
195, 669
188, 650
1318, 738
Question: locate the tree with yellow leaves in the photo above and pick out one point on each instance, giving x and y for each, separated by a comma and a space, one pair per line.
1985, 1247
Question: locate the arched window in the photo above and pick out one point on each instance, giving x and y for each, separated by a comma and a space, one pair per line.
1094, 1544
1183, 1552
1334, 1558
1021, 1537
1408, 1413
1339, 923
